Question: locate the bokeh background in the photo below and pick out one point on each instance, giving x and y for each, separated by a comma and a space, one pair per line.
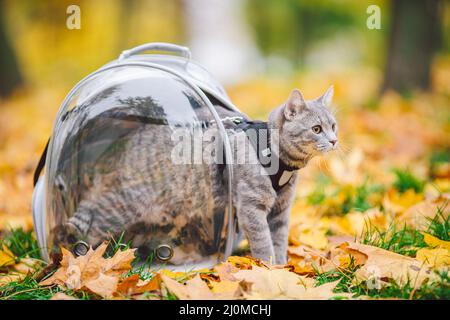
392, 89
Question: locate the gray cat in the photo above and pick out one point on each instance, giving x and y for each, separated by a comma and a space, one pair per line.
156, 201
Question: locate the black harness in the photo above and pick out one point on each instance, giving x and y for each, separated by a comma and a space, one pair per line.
261, 144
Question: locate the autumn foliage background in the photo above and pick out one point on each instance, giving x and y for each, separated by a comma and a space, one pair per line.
387, 188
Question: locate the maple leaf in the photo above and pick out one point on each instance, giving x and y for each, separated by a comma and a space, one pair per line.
382, 265
92, 271
194, 289
133, 285
282, 284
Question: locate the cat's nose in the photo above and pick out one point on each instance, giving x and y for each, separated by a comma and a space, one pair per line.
333, 142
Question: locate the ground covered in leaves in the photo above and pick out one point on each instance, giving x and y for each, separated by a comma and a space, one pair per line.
370, 221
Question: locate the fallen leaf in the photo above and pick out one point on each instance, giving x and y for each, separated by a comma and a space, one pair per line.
434, 242
92, 271
7, 258
273, 284
62, 296
344, 254
11, 277
225, 271
382, 265
437, 258
306, 261
133, 285
103, 285
194, 289
396, 203
173, 274
311, 234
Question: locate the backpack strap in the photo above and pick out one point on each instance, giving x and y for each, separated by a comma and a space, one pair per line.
40, 165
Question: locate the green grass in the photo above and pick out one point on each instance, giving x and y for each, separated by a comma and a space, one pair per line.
357, 199
29, 289
439, 226
405, 241
318, 195
405, 180
26, 289
436, 289
439, 156
22, 243
402, 240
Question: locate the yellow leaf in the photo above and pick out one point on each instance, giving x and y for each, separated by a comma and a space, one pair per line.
10, 277
282, 284
434, 242
6, 257
315, 238
194, 289
172, 274
396, 202
438, 257
226, 289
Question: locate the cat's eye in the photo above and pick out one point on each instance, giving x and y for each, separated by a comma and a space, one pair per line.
317, 129
333, 127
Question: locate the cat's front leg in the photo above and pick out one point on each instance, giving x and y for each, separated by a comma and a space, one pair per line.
279, 221
253, 209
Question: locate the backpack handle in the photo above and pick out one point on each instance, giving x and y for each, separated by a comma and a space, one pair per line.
158, 46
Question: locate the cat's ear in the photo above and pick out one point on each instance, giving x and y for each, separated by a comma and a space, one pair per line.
294, 105
327, 97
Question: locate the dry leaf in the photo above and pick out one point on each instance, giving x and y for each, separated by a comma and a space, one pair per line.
225, 271
305, 260
273, 284
382, 265
103, 285
434, 242
62, 296
173, 274
92, 271
10, 277
6, 257
434, 257
194, 289
282, 284
134, 285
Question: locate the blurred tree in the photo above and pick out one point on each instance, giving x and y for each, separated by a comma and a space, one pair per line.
290, 27
10, 76
414, 38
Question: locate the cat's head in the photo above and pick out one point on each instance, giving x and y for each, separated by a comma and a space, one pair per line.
306, 127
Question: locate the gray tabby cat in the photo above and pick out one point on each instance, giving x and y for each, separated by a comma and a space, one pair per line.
155, 201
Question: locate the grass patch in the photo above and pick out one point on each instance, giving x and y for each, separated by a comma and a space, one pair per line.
29, 289
22, 243
439, 226
405, 241
318, 195
405, 180
26, 289
358, 199
436, 289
